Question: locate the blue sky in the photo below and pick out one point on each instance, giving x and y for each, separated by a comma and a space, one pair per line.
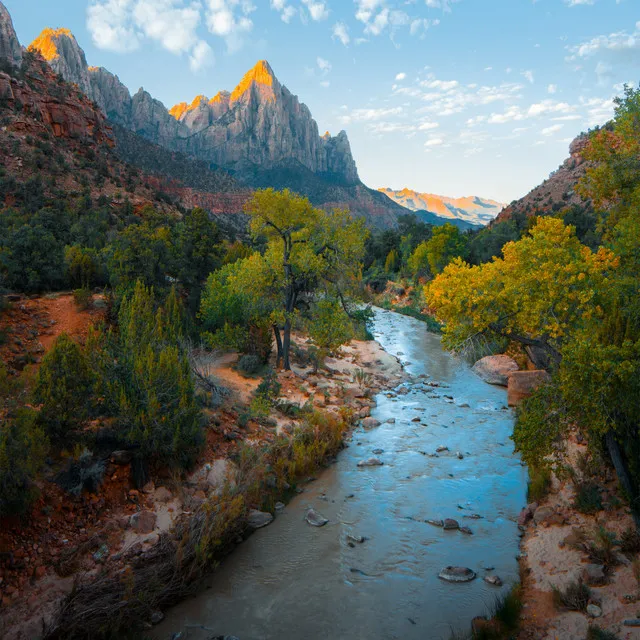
456, 97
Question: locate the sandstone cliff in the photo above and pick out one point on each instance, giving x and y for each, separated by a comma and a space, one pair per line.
10, 49
557, 191
472, 209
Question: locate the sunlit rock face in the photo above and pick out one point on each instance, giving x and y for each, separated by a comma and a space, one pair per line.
471, 209
262, 123
10, 49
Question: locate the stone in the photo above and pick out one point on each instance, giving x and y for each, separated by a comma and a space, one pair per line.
594, 575
435, 523
466, 530
371, 462
631, 622
162, 494
543, 514
457, 574
315, 519
494, 580
279, 506
523, 383
391, 421
143, 521
377, 452
495, 369
594, 611
358, 539
442, 448
10, 49
416, 419
258, 519
450, 524
369, 423
121, 457
156, 617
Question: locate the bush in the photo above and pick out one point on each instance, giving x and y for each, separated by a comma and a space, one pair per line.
539, 483
588, 499
596, 633
574, 597
630, 541
23, 447
63, 387
82, 298
249, 365
507, 609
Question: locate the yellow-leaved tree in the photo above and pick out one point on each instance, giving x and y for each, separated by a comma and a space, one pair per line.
544, 287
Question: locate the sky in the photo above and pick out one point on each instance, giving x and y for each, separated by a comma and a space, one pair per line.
454, 97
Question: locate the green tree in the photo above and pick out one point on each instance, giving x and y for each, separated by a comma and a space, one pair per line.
306, 248
329, 327
445, 244
63, 388
392, 262
418, 262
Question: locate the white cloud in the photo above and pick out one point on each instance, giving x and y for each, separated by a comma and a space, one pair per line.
317, 9
529, 76
367, 115
123, 25
401, 76
323, 65
434, 142
285, 10
549, 131
552, 88
341, 32
230, 20
575, 3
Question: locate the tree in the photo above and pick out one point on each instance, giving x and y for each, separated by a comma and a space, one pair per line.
392, 262
546, 286
306, 248
418, 262
63, 387
329, 327
445, 244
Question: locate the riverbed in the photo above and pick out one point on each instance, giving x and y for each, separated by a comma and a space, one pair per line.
293, 581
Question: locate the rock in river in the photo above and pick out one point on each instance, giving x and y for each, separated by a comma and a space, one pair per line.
457, 574
494, 580
495, 369
370, 423
370, 462
315, 519
450, 524
258, 519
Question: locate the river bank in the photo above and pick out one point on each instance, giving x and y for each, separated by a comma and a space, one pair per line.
443, 451
134, 529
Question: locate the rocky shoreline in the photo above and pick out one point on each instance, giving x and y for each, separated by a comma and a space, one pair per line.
136, 535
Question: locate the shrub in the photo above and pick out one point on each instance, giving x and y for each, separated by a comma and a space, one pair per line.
249, 365
574, 597
596, 633
539, 483
601, 548
82, 298
23, 446
63, 387
630, 541
507, 609
588, 499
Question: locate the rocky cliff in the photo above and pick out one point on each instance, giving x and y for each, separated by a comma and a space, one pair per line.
10, 49
557, 191
260, 123
472, 209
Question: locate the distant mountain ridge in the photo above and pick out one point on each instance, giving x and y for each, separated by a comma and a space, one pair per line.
260, 133
473, 210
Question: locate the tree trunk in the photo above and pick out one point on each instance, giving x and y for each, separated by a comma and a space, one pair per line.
286, 344
276, 331
623, 473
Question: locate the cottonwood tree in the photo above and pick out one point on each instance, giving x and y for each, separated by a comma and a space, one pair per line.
308, 252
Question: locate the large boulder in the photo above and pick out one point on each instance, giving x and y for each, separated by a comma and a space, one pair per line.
143, 521
457, 574
258, 519
495, 369
523, 383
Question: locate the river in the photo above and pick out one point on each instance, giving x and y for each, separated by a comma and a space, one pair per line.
292, 581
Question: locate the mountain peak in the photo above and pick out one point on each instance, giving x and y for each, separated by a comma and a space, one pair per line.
49, 43
261, 75
10, 49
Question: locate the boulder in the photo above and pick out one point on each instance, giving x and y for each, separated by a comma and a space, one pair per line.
315, 519
466, 530
594, 611
143, 521
258, 519
594, 575
121, 457
523, 383
370, 423
494, 580
371, 462
495, 369
435, 523
450, 524
542, 514
457, 574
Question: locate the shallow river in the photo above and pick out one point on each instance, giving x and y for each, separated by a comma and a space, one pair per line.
292, 581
